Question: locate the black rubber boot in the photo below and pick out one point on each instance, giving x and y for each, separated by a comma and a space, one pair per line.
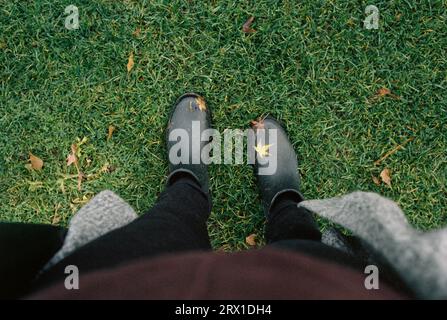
285, 182
189, 108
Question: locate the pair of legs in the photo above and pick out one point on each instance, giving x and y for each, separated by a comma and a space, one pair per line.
177, 222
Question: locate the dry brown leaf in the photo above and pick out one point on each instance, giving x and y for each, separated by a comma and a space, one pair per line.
251, 240
382, 92
71, 159
137, 32
201, 103
247, 25
72, 156
130, 62
385, 175
36, 162
376, 180
257, 124
111, 130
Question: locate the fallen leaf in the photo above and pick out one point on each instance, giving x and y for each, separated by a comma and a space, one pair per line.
382, 92
263, 150
111, 130
130, 62
376, 180
247, 25
201, 103
257, 124
85, 198
385, 175
137, 32
71, 159
72, 156
36, 162
251, 240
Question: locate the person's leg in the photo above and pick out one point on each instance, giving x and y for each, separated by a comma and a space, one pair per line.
280, 188
25, 248
176, 223
294, 228
286, 221
288, 226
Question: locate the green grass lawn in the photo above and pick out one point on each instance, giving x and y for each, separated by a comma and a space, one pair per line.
310, 63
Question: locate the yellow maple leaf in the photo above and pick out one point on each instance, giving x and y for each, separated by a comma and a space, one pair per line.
263, 150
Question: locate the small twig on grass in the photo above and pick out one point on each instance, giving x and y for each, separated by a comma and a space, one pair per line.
394, 150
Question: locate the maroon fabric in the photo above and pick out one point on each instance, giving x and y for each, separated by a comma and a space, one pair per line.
255, 274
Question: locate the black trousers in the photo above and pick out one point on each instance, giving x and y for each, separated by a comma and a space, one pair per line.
177, 223
24, 250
